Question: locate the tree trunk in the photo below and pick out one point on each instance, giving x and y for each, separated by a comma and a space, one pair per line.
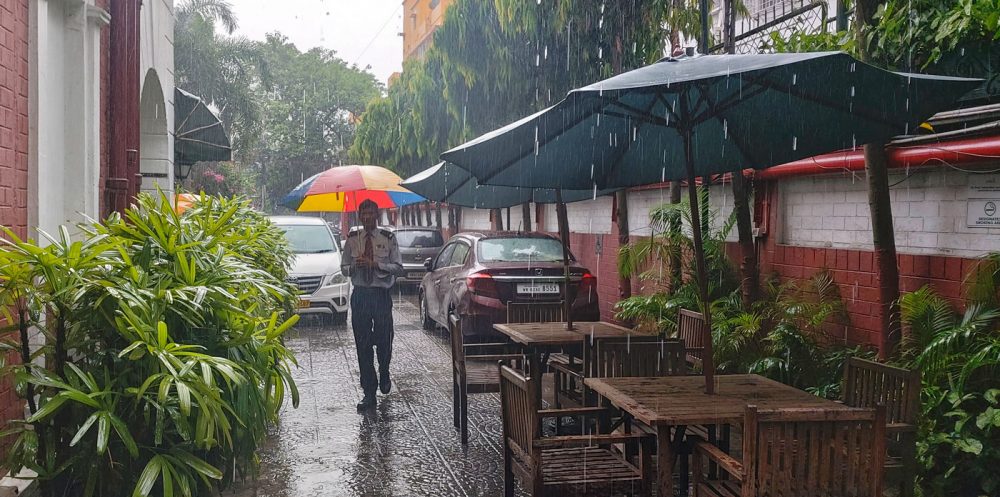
452, 223
675, 230
526, 215
437, 215
749, 272
428, 213
621, 201
883, 235
497, 219
884, 241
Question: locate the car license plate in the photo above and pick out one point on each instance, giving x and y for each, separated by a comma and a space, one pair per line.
414, 276
536, 288
303, 303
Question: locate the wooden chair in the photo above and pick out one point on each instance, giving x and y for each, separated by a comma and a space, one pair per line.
563, 465
615, 357
800, 452
474, 370
535, 312
691, 329
868, 384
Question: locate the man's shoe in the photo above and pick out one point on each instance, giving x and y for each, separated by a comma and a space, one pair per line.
385, 384
368, 402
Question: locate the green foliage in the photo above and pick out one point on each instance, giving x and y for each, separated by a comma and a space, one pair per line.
800, 41
935, 35
494, 62
648, 259
959, 446
309, 113
227, 179
958, 356
224, 70
163, 359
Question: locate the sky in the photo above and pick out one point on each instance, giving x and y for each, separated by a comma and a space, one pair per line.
365, 32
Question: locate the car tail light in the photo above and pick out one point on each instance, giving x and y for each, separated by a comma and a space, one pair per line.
482, 284
588, 282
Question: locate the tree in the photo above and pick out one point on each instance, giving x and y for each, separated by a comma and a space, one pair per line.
310, 113
226, 71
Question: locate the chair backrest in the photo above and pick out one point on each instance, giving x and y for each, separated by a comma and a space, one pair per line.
691, 329
534, 312
519, 410
868, 384
807, 452
638, 356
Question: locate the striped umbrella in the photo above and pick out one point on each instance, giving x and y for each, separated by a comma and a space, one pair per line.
342, 189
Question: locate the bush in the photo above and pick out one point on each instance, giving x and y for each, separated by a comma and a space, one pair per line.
163, 359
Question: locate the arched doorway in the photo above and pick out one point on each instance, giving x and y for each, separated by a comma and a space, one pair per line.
155, 154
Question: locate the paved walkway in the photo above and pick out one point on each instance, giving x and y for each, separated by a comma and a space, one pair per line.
407, 446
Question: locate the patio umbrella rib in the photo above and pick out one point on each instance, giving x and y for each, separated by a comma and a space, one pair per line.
548, 138
628, 144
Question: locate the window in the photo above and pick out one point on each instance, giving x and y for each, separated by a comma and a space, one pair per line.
309, 238
419, 238
444, 257
459, 255
520, 250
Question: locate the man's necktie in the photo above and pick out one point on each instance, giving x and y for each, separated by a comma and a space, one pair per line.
369, 255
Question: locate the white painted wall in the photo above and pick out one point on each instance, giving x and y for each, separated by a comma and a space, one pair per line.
929, 213
587, 216
156, 150
475, 219
64, 112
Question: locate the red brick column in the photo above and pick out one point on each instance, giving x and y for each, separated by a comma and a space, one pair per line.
13, 153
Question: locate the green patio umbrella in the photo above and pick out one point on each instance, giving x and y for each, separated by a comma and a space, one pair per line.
449, 183
695, 116
199, 135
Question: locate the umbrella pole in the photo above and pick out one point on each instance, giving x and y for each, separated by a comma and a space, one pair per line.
564, 236
708, 362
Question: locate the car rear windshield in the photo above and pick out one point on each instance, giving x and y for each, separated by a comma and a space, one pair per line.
520, 249
419, 238
309, 239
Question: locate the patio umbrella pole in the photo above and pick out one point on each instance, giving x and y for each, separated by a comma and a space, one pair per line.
708, 364
563, 236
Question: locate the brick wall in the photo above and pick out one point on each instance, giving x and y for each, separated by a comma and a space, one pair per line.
812, 224
13, 151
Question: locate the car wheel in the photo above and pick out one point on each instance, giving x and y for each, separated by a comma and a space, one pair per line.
425, 319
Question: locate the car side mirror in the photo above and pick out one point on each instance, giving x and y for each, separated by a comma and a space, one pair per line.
428, 264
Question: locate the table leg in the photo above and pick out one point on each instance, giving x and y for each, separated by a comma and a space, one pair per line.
664, 462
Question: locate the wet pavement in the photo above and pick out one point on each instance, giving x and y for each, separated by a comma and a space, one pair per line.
406, 446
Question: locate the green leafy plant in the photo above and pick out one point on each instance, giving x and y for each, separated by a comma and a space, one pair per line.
162, 359
650, 259
958, 355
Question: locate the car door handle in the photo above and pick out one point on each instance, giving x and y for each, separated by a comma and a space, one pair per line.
437, 281
456, 279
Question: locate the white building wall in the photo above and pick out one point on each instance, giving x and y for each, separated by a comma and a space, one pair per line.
475, 219
929, 209
156, 154
587, 216
641, 203
64, 113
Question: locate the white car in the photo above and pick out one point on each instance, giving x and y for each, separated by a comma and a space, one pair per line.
323, 289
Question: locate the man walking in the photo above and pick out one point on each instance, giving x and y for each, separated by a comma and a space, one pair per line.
371, 259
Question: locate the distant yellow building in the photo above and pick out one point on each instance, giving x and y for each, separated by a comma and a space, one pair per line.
420, 19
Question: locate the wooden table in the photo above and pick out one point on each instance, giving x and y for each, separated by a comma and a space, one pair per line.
539, 338
678, 401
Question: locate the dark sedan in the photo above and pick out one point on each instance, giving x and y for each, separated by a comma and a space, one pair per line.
476, 275
416, 244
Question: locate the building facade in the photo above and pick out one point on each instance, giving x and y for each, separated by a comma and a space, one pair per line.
420, 19
67, 114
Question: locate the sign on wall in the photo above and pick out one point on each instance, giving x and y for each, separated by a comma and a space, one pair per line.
984, 201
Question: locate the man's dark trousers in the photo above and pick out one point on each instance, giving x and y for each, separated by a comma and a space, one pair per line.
371, 318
